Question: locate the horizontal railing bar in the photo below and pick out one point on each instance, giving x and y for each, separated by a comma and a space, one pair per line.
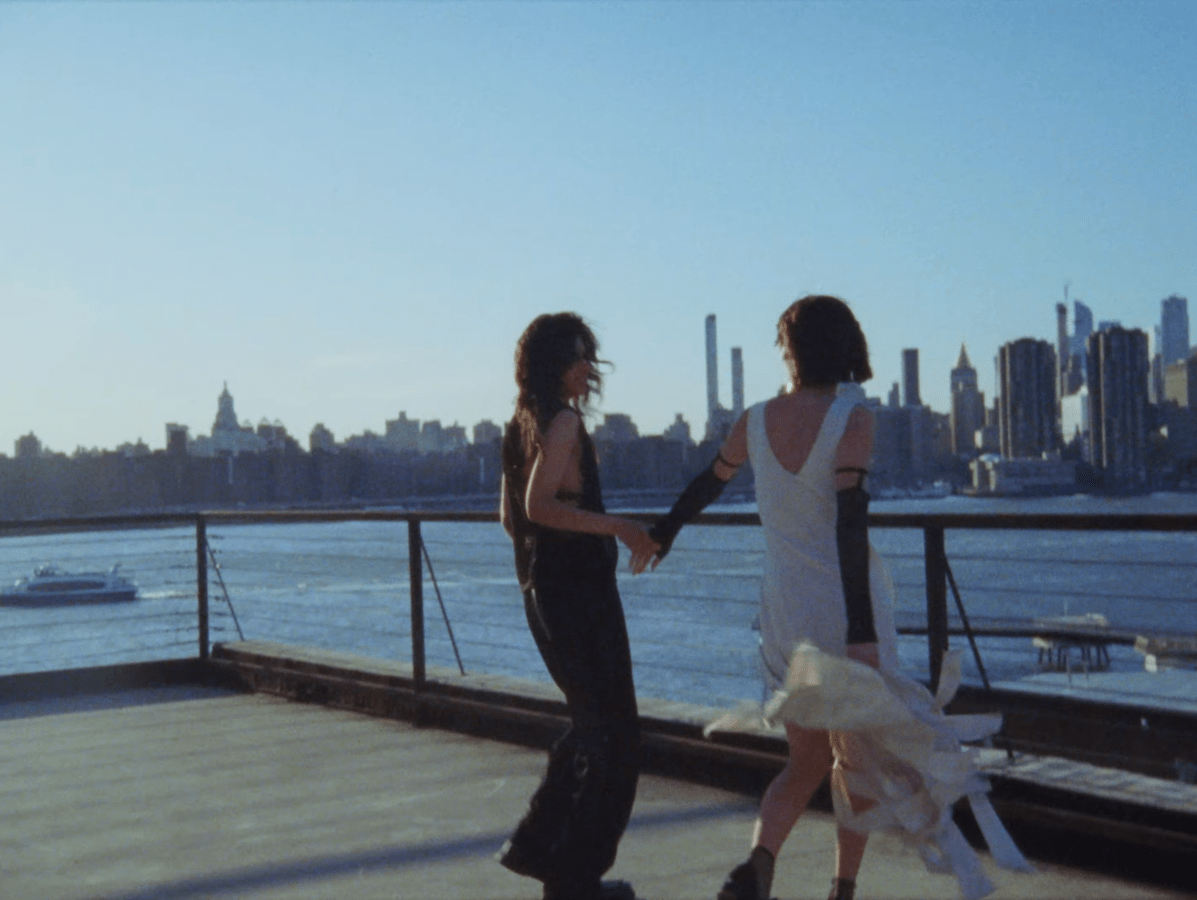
1174, 522
1062, 561
97, 523
1039, 521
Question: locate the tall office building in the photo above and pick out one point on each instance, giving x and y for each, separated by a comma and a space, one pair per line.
1026, 371
1174, 330
1063, 348
737, 363
1082, 327
1180, 383
910, 378
719, 419
1118, 373
968, 406
712, 371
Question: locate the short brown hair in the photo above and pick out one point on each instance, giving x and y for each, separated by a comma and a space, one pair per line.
825, 341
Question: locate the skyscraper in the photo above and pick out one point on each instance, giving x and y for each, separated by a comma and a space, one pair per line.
1026, 371
910, 378
1062, 347
968, 406
1082, 327
737, 363
712, 372
1174, 329
719, 419
1118, 375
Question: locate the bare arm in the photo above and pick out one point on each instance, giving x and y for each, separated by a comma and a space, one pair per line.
733, 452
704, 489
558, 451
505, 509
855, 449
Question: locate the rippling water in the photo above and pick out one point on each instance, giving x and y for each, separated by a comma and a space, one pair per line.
344, 586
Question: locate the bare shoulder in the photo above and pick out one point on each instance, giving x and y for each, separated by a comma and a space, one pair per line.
861, 419
856, 445
564, 428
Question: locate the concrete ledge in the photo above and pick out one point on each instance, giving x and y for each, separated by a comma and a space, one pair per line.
26, 686
514, 710
1040, 798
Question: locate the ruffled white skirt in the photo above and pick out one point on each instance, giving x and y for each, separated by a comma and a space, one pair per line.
894, 746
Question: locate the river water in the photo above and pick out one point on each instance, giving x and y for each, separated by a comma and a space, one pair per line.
344, 586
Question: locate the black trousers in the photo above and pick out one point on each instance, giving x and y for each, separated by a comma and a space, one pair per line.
571, 831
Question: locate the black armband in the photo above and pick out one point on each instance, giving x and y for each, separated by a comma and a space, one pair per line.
852, 541
699, 494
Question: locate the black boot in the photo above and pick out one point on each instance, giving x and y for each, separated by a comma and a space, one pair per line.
603, 890
744, 882
842, 889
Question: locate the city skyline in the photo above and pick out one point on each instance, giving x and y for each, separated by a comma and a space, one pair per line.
347, 211
1174, 313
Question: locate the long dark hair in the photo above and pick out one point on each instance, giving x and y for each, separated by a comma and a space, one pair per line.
825, 341
543, 354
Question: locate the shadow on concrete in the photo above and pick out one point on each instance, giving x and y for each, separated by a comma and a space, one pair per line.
381, 859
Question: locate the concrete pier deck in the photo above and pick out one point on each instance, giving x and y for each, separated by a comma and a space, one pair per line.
180, 793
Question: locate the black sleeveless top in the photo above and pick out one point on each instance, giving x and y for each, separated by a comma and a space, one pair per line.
548, 553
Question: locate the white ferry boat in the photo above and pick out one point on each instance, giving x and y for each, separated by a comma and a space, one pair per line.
50, 586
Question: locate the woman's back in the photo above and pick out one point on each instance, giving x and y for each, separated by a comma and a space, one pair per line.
792, 423
795, 444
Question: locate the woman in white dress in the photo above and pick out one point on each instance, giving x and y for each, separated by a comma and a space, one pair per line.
894, 758
802, 455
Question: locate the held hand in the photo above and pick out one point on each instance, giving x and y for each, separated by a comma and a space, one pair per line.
865, 653
643, 548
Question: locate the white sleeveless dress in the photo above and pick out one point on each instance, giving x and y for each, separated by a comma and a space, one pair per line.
892, 742
802, 595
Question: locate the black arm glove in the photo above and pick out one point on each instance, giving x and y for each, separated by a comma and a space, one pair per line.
699, 493
852, 540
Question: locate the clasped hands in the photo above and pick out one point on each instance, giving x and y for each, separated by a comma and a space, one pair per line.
643, 548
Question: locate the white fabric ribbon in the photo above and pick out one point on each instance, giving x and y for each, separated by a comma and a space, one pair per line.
897, 750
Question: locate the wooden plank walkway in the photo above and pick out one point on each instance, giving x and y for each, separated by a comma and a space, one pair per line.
252, 796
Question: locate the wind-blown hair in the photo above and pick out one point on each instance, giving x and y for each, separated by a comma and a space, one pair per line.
543, 354
825, 341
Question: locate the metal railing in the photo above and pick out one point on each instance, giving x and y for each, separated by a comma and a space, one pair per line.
938, 577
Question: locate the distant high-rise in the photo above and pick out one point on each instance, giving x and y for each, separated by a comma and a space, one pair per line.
403, 433
910, 378
719, 419
1180, 383
737, 363
176, 439
226, 416
1174, 329
321, 439
1118, 375
1026, 371
487, 432
679, 431
1062, 347
968, 406
712, 371
1082, 327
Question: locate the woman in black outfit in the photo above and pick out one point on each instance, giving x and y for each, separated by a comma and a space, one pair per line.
565, 557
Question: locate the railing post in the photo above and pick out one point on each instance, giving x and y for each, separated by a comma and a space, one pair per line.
937, 600
201, 582
416, 569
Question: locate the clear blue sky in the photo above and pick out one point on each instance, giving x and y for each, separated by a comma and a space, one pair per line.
345, 210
